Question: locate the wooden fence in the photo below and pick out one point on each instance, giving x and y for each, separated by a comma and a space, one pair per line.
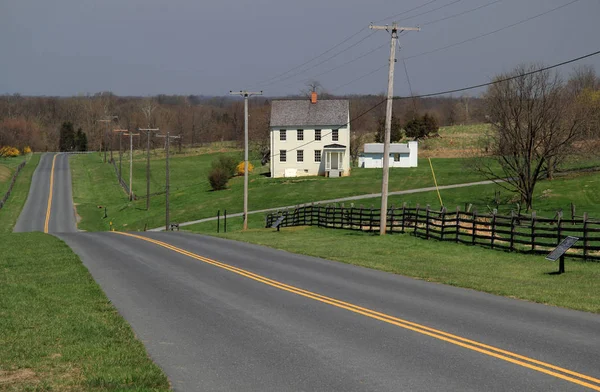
12, 184
122, 182
514, 232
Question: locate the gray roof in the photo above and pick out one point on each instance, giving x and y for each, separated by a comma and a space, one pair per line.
377, 148
301, 113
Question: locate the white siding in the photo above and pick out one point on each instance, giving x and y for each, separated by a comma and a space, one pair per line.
309, 167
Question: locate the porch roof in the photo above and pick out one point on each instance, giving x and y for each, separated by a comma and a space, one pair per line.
335, 146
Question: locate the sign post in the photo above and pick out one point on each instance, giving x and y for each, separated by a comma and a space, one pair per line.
560, 250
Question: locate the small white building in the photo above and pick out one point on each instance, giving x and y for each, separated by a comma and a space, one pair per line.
310, 137
401, 155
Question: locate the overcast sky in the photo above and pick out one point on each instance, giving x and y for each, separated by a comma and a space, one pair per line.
147, 47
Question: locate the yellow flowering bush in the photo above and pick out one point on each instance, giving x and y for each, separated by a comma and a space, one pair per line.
27, 150
8, 151
240, 168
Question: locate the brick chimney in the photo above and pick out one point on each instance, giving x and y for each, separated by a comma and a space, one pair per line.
313, 97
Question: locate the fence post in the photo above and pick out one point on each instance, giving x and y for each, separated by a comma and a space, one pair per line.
533, 216
391, 215
371, 220
318, 215
342, 213
559, 216
457, 223
474, 217
416, 219
443, 215
512, 230
427, 209
403, 215
218, 220
585, 235
224, 221
494, 212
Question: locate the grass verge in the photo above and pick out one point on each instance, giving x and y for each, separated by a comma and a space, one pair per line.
11, 210
59, 331
508, 274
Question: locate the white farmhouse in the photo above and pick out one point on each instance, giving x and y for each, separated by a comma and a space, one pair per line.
401, 155
310, 137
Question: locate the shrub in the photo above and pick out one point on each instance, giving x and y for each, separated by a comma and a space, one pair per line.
8, 151
240, 168
218, 178
27, 150
227, 163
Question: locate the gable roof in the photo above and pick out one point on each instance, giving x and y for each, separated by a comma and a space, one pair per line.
300, 113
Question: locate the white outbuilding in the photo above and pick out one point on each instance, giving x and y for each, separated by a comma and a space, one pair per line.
401, 155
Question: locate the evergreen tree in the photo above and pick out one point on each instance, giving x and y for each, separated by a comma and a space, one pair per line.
80, 141
66, 140
395, 130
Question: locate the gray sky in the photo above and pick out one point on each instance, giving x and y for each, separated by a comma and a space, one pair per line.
144, 47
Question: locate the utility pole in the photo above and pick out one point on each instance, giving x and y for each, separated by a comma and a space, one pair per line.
131, 135
245, 94
148, 131
107, 120
388, 120
168, 138
120, 131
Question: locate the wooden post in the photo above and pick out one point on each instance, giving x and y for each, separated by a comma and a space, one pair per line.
457, 223
391, 215
318, 215
218, 220
493, 228
474, 218
585, 235
371, 220
416, 219
224, 221
572, 213
342, 218
403, 215
427, 209
443, 215
512, 230
533, 216
559, 227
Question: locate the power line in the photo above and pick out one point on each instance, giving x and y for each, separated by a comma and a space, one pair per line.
360, 77
319, 63
460, 13
430, 11
312, 59
407, 11
343, 65
502, 80
491, 32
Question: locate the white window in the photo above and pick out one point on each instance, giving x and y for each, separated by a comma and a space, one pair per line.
282, 136
335, 135
282, 155
300, 155
317, 155
300, 134
317, 134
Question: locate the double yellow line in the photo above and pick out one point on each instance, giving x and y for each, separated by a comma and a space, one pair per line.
49, 208
517, 359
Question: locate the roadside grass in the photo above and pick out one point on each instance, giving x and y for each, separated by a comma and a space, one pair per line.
507, 274
95, 184
7, 169
59, 331
9, 214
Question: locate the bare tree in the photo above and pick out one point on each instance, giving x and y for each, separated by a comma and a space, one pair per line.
533, 128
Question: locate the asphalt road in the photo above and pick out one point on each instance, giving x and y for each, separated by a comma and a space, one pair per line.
220, 315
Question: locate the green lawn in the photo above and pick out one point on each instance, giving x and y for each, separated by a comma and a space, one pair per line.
508, 274
95, 185
11, 210
59, 332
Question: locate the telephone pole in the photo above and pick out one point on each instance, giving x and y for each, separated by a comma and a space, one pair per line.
107, 120
131, 135
168, 138
120, 151
245, 94
388, 120
148, 130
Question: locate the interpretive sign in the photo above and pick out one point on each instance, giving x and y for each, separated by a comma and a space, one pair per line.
278, 222
560, 250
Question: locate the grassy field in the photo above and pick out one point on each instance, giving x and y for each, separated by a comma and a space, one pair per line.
59, 332
95, 185
7, 168
502, 273
457, 141
11, 210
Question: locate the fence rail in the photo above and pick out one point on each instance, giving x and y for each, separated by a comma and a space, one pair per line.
514, 232
12, 184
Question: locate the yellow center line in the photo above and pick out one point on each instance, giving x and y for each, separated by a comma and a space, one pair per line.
47, 222
495, 352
